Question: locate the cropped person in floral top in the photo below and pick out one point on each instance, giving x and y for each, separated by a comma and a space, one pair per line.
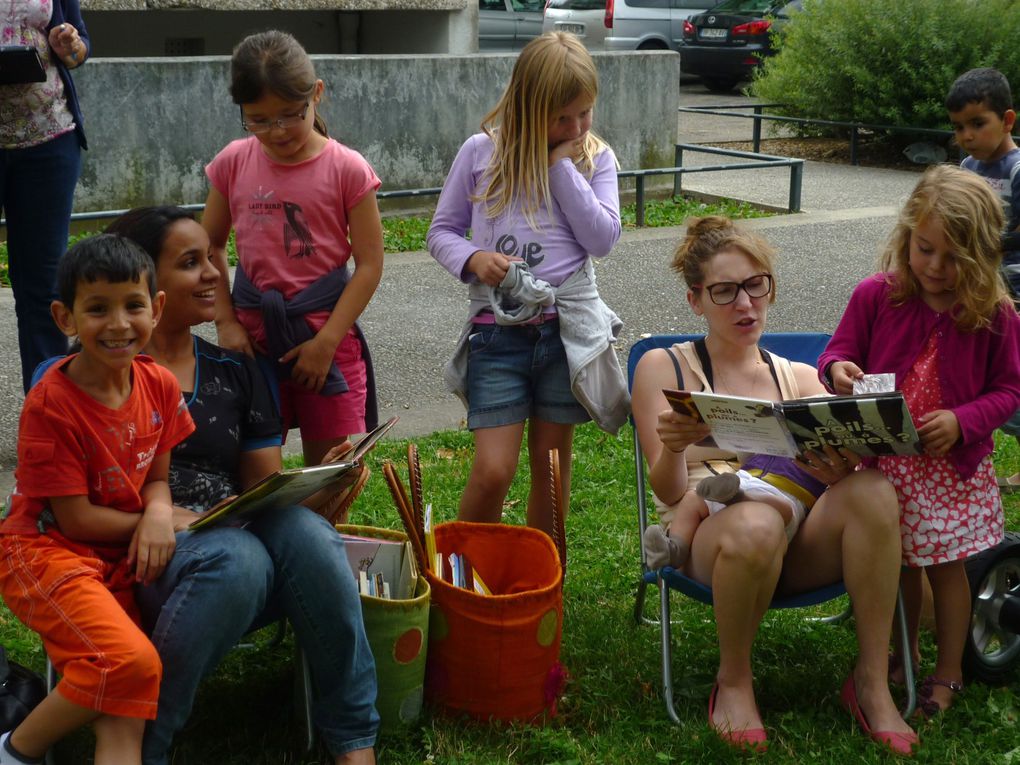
41, 139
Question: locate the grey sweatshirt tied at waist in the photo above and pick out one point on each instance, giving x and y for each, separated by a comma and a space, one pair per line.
588, 329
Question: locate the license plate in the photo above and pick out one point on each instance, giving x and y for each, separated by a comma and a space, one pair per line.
712, 34
574, 29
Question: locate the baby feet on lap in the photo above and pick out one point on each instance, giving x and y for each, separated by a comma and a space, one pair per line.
664, 550
724, 488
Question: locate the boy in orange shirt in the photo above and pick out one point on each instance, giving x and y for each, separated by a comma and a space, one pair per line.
91, 512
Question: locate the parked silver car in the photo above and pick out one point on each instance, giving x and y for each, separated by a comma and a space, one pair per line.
623, 24
648, 24
508, 24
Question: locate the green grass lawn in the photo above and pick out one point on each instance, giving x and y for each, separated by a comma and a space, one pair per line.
612, 711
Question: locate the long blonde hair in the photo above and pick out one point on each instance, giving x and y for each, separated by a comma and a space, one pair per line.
551, 72
972, 221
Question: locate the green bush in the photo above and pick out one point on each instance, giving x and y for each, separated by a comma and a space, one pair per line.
886, 62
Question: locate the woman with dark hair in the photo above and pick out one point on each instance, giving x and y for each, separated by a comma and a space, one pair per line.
226, 581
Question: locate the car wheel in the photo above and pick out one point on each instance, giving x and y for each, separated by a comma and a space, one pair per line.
993, 645
720, 84
652, 45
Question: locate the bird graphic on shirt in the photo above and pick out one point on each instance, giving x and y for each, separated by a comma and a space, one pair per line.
297, 237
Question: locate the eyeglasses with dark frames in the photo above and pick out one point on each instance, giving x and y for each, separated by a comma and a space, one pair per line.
724, 293
264, 126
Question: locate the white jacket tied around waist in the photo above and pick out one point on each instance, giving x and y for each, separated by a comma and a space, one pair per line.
588, 329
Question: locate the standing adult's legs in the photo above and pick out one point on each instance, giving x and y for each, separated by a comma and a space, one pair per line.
37, 196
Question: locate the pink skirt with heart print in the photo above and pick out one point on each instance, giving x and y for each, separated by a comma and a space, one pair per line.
942, 517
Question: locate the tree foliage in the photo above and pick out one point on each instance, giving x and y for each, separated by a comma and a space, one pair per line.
886, 62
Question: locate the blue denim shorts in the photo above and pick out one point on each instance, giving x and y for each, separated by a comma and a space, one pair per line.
519, 372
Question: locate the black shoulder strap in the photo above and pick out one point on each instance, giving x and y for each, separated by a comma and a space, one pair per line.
676, 366
706, 361
772, 369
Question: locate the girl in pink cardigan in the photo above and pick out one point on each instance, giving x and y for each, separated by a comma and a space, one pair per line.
939, 317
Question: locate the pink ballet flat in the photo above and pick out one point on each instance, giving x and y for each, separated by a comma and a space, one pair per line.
898, 743
748, 739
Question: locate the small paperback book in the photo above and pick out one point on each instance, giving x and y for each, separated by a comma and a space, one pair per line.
870, 425
384, 568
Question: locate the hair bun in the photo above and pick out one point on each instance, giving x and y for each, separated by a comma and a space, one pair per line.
701, 226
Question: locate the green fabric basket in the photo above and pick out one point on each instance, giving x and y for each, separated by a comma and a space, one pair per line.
398, 634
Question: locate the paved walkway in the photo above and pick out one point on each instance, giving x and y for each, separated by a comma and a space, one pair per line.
416, 315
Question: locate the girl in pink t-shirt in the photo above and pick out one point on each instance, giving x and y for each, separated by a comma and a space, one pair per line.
301, 204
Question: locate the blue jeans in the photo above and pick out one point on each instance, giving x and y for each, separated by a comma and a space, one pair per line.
517, 372
224, 582
36, 194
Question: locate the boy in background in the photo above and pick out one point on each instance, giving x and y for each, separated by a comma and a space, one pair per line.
91, 512
980, 107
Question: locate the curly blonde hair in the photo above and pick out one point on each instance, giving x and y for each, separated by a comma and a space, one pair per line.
972, 221
551, 72
707, 237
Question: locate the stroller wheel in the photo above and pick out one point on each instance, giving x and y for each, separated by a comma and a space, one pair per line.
993, 642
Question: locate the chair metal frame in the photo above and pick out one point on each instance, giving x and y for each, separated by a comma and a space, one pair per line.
796, 346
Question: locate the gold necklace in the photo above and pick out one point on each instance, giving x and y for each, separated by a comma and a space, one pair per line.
754, 380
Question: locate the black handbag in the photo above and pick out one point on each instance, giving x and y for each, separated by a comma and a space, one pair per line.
20, 690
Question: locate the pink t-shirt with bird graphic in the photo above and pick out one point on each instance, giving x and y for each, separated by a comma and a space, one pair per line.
290, 220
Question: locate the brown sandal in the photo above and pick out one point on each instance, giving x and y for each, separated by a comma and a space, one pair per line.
926, 705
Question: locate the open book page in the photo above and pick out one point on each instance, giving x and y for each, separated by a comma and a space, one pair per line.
745, 424
871, 425
283, 489
291, 487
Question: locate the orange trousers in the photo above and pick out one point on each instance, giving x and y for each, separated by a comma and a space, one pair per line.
81, 602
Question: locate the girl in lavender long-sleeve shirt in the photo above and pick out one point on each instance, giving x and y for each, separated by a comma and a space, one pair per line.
539, 188
939, 317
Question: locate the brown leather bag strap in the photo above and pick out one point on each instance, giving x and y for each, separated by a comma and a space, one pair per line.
558, 511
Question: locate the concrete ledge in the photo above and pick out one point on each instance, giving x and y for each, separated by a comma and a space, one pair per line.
153, 123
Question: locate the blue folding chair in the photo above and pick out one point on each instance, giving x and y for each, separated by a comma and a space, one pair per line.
796, 346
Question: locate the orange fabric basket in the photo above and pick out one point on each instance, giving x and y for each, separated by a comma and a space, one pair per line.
497, 656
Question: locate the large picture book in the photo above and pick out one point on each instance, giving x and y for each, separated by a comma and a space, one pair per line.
291, 487
871, 425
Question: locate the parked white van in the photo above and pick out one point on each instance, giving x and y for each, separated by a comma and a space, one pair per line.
623, 24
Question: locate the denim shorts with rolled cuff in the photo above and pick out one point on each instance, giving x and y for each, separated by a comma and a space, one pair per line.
518, 372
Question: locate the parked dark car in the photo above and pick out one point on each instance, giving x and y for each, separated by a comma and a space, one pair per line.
726, 43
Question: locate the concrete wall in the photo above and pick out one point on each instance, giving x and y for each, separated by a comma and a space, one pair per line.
152, 124
450, 27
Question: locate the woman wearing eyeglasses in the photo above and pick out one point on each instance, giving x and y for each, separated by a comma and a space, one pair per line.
743, 551
301, 205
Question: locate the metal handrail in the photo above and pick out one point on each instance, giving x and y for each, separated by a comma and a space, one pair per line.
723, 110
756, 160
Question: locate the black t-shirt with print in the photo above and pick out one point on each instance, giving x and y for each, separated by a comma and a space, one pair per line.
234, 411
